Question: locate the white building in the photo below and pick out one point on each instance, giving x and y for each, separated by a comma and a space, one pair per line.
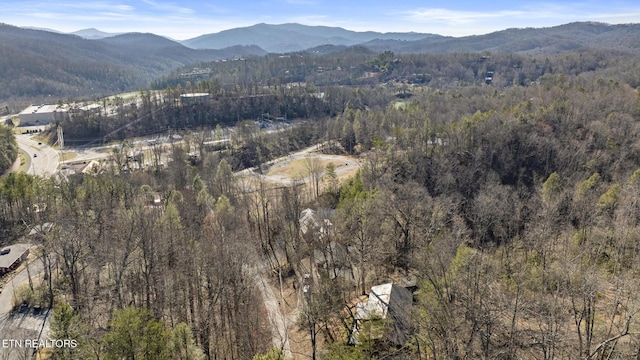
391, 304
41, 114
194, 98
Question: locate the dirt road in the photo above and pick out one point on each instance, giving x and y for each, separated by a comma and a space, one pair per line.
279, 322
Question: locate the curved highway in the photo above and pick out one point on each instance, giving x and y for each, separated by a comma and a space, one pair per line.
43, 159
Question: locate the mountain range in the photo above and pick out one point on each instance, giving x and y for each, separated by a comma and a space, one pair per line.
286, 38
282, 38
42, 63
540, 41
294, 37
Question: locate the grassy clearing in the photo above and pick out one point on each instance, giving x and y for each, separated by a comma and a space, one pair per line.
124, 96
129, 96
68, 156
40, 137
295, 169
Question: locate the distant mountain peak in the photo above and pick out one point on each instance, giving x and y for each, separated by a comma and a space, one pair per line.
292, 37
93, 34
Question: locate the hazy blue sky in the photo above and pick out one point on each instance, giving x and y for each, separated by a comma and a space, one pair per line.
187, 18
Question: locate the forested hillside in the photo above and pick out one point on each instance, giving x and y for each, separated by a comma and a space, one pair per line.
358, 65
285, 38
510, 209
49, 66
552, 40
46, 65
314, 86
8, 148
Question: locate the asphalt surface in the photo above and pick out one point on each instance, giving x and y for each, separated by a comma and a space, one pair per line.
42, 160
25, 323
16, 279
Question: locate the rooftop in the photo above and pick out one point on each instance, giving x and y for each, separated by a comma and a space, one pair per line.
194, 95
315, 220
386, 301
41, 228
14, 253
42, 109
378, 302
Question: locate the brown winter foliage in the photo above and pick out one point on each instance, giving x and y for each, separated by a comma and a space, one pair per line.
514, 209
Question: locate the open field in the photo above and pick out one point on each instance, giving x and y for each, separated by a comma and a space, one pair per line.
300, 167
297, 169
66, 156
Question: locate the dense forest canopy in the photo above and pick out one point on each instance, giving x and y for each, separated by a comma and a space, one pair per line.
512, 207
37, 66
41, 66
8, 148
305, 85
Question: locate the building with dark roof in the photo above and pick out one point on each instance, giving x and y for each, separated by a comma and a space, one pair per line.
12, 256
390, 303
194, 98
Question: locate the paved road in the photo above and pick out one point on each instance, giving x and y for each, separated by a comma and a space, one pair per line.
22, 277
279, 323
23, 324
43, 160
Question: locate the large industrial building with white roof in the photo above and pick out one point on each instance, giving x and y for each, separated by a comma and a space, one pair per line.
41, 114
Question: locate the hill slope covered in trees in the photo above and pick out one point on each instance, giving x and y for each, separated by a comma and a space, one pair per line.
41, 64
8, 148
512, 208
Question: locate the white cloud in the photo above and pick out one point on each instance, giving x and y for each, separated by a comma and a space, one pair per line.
125, 7
465, 22
91, 6
455, 16
540, 11
182, 20
168, 7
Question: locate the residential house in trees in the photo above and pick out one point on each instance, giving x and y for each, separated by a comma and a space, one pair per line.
390, 306
327, 255
12, 256
333, 259
315, 222
91, 167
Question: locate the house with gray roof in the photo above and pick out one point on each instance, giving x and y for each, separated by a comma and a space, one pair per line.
12, 256
391, 304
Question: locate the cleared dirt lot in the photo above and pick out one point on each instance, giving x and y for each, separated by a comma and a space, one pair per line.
297, 167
